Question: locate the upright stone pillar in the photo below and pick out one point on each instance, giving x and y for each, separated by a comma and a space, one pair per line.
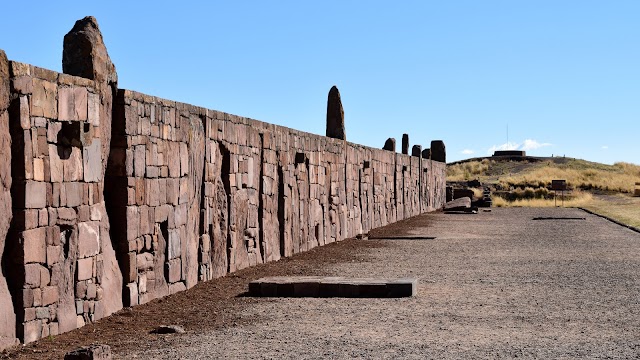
7, 313
335, 115
426, 154
438, 151
416, 150
405, 144
85, 55
390, 145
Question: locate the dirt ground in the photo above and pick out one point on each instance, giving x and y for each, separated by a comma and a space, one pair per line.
496, 284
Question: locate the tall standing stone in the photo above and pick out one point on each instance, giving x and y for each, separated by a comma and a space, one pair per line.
390, 145
85, 55
7, 314
335, 115
416, 150
438, 151
426, 154
405, 144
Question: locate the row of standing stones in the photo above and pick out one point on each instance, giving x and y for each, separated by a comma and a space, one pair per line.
111, 198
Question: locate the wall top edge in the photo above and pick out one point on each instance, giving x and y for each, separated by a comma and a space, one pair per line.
18, 69
131, 95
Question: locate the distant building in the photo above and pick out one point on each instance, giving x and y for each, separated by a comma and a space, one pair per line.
510, 153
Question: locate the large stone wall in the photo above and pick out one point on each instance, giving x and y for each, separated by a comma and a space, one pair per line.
112, 198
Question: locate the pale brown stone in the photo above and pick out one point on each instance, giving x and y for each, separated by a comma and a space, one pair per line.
35, 250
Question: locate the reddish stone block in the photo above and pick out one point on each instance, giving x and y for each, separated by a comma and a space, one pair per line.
88, 239
35, 245
85, 269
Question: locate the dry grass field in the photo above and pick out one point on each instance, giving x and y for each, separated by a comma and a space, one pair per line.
604, 189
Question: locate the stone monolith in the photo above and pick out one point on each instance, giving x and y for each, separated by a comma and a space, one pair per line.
405, 144
335, 115
438, 151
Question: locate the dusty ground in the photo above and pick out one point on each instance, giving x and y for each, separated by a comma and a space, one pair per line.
495, 284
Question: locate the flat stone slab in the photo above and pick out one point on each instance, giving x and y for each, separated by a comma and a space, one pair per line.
322, 286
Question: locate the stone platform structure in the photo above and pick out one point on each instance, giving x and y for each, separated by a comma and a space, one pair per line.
112, 198
331, 286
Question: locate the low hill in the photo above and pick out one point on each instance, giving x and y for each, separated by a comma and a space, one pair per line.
604, 189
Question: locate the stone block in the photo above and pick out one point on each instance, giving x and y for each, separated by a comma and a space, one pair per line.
85, 269
31, 331
130, 271
35, 249
43, 99
131, 295
72, 167
35, 195
174, 270
72, 104
53, 254
92, 161
74, 193
49, 295
93, 109
32, 275
25, 119
174, 244
55, 164
88, 239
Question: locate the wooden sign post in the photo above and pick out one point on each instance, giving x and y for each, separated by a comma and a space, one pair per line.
558, 185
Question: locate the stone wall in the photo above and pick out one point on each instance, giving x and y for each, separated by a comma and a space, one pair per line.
112, 198
64, 272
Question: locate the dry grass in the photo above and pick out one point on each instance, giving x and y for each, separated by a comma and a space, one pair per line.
580, 174
623, 208
576, 199
468, 171
620, 177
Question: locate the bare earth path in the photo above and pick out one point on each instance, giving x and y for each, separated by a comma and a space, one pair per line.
495, 284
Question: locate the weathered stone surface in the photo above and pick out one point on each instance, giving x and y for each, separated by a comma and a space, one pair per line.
318, 286
335, 115
416, 150
460, 204
93, 352
426, 154
438, 151
7, 314
390, 144
84, 54
405, 144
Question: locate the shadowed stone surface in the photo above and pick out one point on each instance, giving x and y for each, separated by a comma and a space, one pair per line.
426, 153
318, 286
438, 151
335, 115
461, 204
405, 144
7, 315
390, 144
93, 352
416, 150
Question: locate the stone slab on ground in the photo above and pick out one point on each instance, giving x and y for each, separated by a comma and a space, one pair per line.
321, 286
461, 204
93, 352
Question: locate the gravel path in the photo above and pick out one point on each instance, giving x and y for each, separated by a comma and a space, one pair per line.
496, 284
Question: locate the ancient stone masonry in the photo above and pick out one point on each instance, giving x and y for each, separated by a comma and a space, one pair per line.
112, 198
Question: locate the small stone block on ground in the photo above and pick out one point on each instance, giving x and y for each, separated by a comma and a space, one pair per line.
93, 352
318, 286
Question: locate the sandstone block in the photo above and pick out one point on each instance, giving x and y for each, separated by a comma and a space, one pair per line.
35, 250
32, 275
88, 239
405, 144
49, 295
31, 331
72, 103
85, 269
43, 99
35, 195
92, 161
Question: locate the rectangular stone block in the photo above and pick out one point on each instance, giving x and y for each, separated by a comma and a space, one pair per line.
88, 239
85, 269
92, 161
43, 99
74, 193
49, 295
35, 248
72, 104
35, 195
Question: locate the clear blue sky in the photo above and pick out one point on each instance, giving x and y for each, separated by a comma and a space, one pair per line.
563, 75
